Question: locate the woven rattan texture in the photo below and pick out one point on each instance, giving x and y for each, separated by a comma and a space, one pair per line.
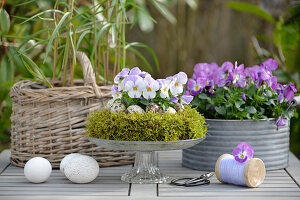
49, 122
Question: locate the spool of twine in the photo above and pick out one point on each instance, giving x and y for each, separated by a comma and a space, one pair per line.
250, 173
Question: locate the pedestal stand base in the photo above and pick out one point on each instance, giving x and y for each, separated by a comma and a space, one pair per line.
145, 170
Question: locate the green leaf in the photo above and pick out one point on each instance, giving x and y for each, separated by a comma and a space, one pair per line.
251, 90
41, 13
102, 30
6, 70
164, 11
239, 103
48, 48
136, 52
144, 102
220, 110
268, 93
250, 109
250, 8
4, 21
138, 44
203, 96
34, 70
81, 37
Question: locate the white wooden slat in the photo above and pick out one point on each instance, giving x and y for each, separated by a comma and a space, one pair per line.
143, 190
58, 197
294, 168
62, 197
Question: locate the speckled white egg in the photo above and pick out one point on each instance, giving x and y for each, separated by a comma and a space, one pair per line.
135, 109
37, 170
66, 159
117, 106
82, 169
171, 110
109, 104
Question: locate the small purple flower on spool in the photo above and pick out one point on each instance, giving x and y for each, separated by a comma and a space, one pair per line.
243, 152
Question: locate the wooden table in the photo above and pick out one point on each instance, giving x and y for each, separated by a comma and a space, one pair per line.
280, 184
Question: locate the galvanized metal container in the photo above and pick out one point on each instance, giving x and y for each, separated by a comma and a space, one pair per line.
271, 143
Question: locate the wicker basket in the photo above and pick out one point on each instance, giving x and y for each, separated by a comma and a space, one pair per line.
49, 122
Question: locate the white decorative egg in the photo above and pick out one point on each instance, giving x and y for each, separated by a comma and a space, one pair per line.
135, 109
171, 110
82, 169
37, 170
109, 104
66, 159
117, 106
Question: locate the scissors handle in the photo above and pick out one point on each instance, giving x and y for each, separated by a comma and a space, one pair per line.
190, 182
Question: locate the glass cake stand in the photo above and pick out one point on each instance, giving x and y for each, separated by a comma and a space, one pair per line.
145, 169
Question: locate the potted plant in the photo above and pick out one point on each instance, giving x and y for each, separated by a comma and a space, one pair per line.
147, 115
241, 105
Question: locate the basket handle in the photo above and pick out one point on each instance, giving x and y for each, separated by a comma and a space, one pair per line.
88, 72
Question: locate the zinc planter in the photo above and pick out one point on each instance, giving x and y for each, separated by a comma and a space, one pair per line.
271, 143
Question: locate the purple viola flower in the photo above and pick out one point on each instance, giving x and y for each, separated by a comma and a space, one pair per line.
135, 71
290, 91
195, 87
243, 152
227, 67
175, 99
270, 64
272, 82
280, 97
244, 96
237, 77
201, 67
265, 72
121, 74
186, 99
280, 121
115, 92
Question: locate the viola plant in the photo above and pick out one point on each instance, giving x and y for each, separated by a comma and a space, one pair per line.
243, 152
235, 92
136, 87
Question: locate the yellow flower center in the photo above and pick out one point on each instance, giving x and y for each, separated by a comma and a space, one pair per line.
176, 84
149, 89
165, 89
197, 87
242, 156
134, 88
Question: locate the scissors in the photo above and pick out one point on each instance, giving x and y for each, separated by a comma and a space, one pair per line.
190, 182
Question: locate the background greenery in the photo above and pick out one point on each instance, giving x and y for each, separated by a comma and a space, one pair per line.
181, 33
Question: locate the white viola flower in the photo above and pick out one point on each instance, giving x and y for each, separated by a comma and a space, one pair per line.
178, 81
134, 85
135, 71
152, 86
121, 75
164, 88
115, 92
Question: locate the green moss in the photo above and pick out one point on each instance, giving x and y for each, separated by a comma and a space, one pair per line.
150, 126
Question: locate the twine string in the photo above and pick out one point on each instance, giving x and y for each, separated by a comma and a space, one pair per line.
232, 171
